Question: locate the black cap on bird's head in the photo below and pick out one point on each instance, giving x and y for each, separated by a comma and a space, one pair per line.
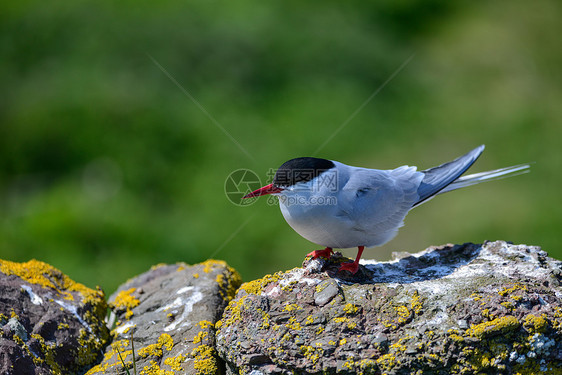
292, 172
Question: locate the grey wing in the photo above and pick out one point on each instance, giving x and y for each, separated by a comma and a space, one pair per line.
377, 201
438, 178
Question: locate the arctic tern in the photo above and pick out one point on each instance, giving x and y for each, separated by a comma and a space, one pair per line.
340, 206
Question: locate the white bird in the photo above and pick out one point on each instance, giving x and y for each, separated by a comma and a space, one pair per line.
339, 206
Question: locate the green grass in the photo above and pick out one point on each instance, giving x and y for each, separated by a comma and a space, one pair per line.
107, 167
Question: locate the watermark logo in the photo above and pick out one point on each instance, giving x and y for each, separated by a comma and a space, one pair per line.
238, 184
327, 180
303, 200
243, 181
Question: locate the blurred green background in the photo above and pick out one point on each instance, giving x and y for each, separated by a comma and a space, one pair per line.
108, 167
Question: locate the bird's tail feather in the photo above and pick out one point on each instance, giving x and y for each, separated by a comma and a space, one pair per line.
496, 174
438, 178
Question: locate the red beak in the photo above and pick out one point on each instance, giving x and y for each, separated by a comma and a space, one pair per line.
267, 189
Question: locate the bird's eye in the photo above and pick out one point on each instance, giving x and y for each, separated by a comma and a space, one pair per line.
362, 191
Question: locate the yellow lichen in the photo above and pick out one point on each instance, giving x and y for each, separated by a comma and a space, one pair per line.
312, 353
387, 361
350, 308
293, 324
153, 369
47, 350
475, 297
256, 286
229, 282
387, 323
205, 361
175, 362
291, 307
48, 277
232, 314
535, 324
265, 319
209, 264
125, 301
88, 347
40, 273
402, 311
416, 304
116, 347
508, 305
204, 324
165, 341
506, 291
500, 325
200, 337
456, 338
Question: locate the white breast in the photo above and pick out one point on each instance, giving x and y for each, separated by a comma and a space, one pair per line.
349, 207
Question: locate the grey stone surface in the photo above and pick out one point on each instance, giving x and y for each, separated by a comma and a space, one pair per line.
48, 323
168, 313
492, 308
325, 292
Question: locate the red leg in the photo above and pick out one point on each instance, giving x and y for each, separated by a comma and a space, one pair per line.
326, 253
353, 266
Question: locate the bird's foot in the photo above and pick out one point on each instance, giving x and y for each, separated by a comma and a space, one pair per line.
352, 267
326, 253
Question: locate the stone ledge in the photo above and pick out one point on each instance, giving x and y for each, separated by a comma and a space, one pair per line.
491, 308
466, 308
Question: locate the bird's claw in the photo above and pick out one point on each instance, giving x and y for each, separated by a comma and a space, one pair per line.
352, 267
325, 253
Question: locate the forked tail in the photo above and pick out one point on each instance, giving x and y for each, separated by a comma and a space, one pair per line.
496, 174
447, 177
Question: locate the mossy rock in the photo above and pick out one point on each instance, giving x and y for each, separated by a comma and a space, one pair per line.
50, 324
464, 309
166, 318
